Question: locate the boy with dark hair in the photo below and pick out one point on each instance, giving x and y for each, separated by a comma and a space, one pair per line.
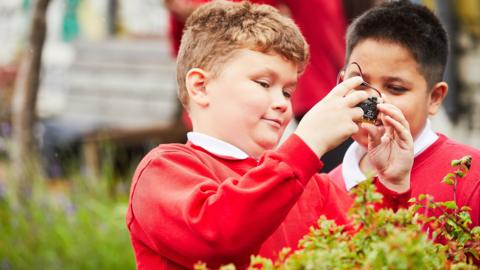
401, 49
228, 193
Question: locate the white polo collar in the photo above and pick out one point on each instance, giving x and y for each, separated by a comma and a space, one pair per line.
351, 172
216, 146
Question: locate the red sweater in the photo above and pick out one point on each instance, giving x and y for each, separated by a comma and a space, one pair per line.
431, 166
187, 204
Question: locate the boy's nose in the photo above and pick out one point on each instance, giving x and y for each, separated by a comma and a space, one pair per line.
279, 101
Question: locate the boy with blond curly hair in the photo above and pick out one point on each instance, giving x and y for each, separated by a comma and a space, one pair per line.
230, 192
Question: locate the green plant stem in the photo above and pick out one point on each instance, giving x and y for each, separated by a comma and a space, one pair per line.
449, 216
455, 192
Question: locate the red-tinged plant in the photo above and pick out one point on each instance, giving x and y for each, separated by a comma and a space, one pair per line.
384, 239
452, 226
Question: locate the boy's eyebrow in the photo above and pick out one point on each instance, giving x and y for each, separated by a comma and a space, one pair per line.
268, 71
275, 75
394, 79
387, 78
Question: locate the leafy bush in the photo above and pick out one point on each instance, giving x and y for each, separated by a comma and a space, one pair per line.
383, 239
81, 229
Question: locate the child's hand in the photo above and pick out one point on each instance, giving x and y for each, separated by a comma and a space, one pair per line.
333, 119
390, 148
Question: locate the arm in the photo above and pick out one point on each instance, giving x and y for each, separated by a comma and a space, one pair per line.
189, 214
333, 119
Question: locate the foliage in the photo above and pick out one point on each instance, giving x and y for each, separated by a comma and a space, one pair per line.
383, 239
452, 226
80, 228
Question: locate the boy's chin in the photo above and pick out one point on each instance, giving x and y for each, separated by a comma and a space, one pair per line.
268, 143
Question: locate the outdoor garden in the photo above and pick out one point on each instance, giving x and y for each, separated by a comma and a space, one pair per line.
65, 207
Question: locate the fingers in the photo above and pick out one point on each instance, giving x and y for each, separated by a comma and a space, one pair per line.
374, 134
395, 122
346, 86
393, 112
357, 114
355, 97
402, 132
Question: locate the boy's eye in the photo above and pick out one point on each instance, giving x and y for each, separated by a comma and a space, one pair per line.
287, 94
396, 89
263, 84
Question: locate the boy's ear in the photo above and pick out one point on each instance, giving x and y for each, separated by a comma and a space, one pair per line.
437, 95
196, 80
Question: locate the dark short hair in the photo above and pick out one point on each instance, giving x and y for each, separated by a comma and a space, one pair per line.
410, 25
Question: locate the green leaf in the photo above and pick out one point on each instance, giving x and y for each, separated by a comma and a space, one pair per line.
450, 204
449, 179
459, 173
455, 162
416, 207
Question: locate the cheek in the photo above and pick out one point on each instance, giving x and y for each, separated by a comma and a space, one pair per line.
416, 120
247, 102
288, 119
407, 107
410, 109
258, 99
415, 113
289, 112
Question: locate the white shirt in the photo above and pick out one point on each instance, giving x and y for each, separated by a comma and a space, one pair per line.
351, 172
216, 146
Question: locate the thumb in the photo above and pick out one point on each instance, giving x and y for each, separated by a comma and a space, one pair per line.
375, 134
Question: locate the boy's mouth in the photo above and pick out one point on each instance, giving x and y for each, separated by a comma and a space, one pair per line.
274, 121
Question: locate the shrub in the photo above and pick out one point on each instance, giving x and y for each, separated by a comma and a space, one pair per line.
80, 229
384, 239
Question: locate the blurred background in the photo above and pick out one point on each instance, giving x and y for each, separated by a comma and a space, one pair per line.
87, 87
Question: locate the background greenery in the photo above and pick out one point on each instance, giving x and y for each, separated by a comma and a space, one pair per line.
78, 227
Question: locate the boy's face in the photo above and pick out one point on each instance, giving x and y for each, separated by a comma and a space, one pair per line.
392, 69
249, 100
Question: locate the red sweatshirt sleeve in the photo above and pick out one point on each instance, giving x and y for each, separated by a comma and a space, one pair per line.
392, 199
188, 214
338, 201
